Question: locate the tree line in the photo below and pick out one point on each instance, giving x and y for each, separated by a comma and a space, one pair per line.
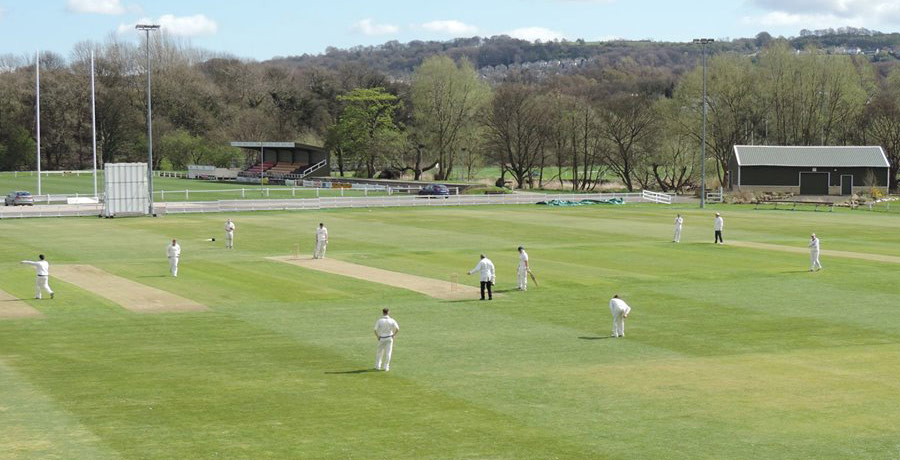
633, 120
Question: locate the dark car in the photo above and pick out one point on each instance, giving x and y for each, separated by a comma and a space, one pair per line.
19, 199
435, 190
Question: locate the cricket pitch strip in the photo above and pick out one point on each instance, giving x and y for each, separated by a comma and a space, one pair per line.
824, 252
14, 308
132, 296
444, 290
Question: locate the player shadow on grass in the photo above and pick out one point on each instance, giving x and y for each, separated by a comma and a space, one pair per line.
358, 371
595, 337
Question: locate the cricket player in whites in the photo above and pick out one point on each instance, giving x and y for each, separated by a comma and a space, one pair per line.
173, 251
814, 253
620, 311
679, 221
385, 329
42, 280
321, 241
523, 269
229, 234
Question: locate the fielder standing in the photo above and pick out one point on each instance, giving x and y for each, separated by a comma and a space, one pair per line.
173, 251
523, 269
321, 241
814, 253
718, 225
488, 277
229, 234
42, 280
385, 329
679, 221
620, 311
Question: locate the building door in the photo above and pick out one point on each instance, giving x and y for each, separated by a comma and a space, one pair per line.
814, 183
846, 184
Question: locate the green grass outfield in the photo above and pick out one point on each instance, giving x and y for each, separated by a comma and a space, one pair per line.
731, 353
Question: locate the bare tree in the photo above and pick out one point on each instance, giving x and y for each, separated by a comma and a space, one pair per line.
515, 125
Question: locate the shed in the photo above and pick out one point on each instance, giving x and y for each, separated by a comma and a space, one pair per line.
809, 170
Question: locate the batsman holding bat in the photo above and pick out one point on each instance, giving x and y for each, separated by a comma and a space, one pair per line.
524, 270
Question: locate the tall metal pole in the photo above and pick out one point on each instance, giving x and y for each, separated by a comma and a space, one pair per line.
703, 42
94, 122
37, 113
147, 28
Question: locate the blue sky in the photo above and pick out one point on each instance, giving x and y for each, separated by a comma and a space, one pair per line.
262, 29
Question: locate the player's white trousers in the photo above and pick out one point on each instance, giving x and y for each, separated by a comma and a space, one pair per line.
229, 239
320, 249
619, 323
173, 265
41, 282
523, 278
814, 260
677, 236
383, 353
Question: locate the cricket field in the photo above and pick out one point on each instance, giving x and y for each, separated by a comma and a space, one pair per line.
732, 351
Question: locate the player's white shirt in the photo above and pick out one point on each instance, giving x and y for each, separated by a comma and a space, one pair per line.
619, 305
486, 268
814, 245
679, 221
386, 326
173, 250
41, 266
229, 227
322, 234
719, 223
523, 259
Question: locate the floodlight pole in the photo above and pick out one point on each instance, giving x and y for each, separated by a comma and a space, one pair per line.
147, 28
703, 42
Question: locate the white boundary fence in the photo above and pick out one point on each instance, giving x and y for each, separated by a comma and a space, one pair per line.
656, 197
324, 203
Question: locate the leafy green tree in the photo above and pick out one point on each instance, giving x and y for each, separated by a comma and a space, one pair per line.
445, 98
812, 98
736, 107
366, 131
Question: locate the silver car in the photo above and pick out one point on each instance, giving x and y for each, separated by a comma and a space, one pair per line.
19, 199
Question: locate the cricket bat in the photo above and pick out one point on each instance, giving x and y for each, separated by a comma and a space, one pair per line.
531, 274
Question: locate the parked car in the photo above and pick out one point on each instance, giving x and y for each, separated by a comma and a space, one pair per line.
19, 199
435, 190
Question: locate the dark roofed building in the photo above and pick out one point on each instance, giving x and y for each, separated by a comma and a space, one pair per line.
809, 170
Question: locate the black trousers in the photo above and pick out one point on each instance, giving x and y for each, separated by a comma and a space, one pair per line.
718, 237
486, 284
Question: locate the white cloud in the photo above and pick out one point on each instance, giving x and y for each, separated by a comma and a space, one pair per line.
824, 13
535, 33
112, 7
369, 27
183, 26
450, 27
